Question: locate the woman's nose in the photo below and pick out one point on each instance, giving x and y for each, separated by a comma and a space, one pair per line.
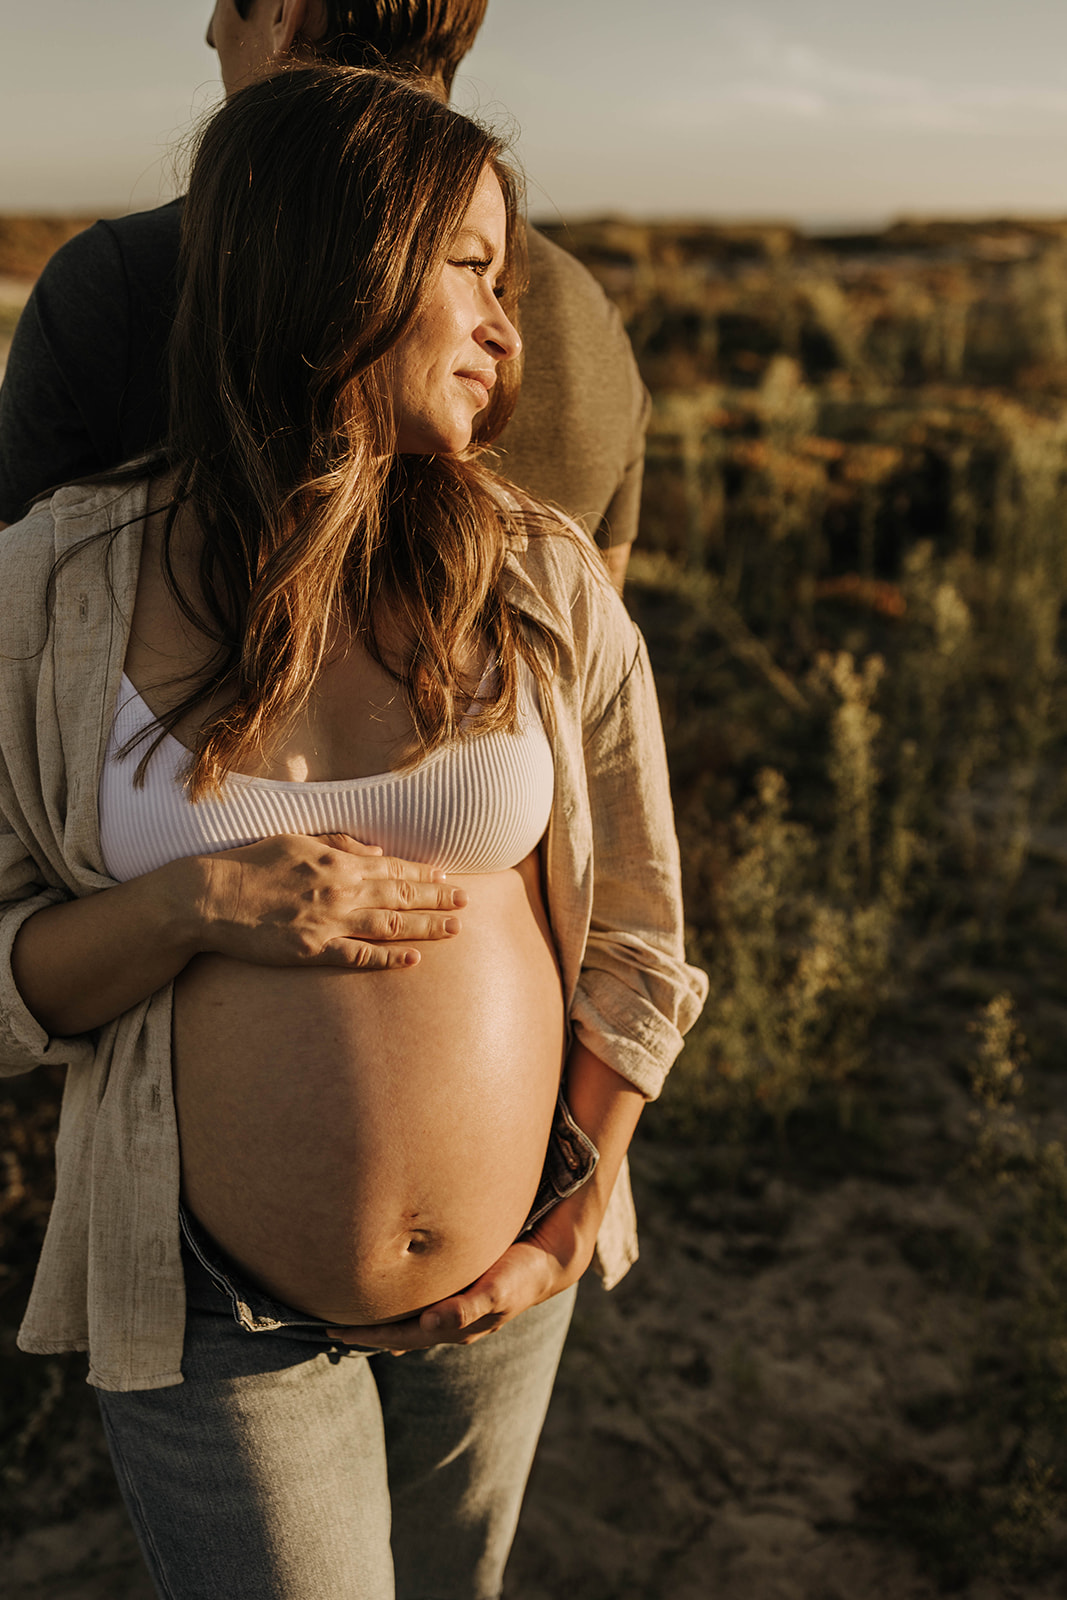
500, 335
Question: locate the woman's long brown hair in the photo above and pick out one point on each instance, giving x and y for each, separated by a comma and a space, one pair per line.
322, 202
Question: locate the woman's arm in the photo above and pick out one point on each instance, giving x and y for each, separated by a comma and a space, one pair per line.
557, 1250
286, 901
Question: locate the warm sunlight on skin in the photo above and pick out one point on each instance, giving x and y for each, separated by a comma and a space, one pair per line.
441, 372
242, 46
249, 46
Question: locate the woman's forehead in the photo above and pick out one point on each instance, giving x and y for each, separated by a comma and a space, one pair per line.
486, 217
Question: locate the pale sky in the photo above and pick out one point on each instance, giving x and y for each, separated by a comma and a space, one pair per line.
820, 111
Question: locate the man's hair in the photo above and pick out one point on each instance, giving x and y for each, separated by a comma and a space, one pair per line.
322, 202
430, 36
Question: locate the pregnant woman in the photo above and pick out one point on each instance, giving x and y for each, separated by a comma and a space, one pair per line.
294, 1145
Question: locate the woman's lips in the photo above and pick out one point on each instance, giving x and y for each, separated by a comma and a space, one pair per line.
479, 384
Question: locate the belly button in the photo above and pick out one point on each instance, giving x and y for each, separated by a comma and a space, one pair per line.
419, 1243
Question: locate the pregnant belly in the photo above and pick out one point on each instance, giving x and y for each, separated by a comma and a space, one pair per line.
363, 1144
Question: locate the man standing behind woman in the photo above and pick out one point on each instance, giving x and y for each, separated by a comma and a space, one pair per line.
86, 382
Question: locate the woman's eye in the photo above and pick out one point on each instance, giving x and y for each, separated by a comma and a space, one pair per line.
476, 265
480, 266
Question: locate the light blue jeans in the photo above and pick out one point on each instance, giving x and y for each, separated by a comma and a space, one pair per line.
290, 1467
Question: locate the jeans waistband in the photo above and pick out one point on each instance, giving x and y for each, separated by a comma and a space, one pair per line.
570, 1161
254, 1309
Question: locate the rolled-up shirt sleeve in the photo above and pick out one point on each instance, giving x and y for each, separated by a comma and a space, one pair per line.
637, 995
24, 1044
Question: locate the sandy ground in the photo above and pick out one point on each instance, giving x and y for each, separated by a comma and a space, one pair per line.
721, 1417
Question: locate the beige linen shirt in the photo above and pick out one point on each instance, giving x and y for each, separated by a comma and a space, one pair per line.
110, 1276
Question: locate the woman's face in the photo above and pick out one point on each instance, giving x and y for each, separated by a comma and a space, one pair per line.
440, 373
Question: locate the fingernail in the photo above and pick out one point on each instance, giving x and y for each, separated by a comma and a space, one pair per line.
459, 897
451, 924
431, 1323
411, 958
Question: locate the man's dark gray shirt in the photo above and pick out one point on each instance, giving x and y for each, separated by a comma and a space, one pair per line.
85, 386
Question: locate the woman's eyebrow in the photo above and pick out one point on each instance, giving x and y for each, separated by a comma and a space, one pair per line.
485, 245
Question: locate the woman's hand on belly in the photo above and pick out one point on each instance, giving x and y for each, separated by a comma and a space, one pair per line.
288, 901
556, 1251
544, 1262
325, 901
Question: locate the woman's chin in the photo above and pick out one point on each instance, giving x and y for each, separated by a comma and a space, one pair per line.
436, 440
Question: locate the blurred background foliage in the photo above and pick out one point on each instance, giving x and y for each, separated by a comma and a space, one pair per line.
852, 569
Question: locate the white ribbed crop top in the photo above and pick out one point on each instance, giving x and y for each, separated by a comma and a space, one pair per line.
479, 804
